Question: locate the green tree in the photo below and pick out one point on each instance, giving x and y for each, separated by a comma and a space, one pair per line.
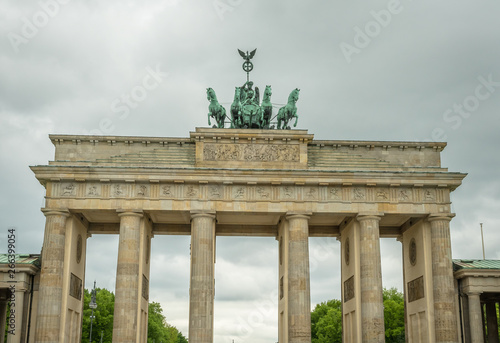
159, 330
394, 316
326, 322
326, 319
103, 321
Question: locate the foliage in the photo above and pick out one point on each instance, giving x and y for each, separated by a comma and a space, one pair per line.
326, 322
159, 331
394, 316
103, 321
326, 319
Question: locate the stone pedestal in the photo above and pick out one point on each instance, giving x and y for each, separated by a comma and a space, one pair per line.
202, 283
443, 282
51, 278
372, 306
475, 320
299, 292
125, 324
492, 322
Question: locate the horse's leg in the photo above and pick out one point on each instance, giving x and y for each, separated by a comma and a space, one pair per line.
209, 119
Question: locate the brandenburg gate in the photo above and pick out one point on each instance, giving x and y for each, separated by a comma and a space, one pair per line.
249, 182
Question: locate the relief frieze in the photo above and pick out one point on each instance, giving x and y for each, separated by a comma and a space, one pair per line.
335, 193
263, 193
68, 189
359, 193
191, 191
416, 289
93, 190
311, 193
239, 192
142, 191
167, 191
287, 193
382, 194
429, 195
251, 152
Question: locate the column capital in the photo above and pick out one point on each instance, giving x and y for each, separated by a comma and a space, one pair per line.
297, 215
440, 216
56, 212
201, 214
132, 213
369, 216
473, 293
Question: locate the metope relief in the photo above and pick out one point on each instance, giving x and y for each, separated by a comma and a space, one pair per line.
167, 191
382, 194
215, 192
191, 191
359, 193
93, 190
118, 190
251, 152
404, 195
335, 193
68, 189
429, 195
311, 193
263, 192
287, 193
142, 190
239, 192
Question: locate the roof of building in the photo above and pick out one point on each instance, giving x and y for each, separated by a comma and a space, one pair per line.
475, 264
33, 259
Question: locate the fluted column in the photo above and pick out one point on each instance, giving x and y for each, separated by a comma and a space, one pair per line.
202, 284
492, 322
445, 317
17, 338
372, 305
3, 319
475, 318
51, 277
127, 278
299, 291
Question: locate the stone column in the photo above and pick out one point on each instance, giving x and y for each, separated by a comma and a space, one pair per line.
127, 278
19, 334
3, 319
475, 318
445, 316
48, 325
492, 322
202, 282
299, 290
372, 304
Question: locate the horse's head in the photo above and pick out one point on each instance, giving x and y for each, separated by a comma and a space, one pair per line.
294, 95
237, 93
210, 94
268, 92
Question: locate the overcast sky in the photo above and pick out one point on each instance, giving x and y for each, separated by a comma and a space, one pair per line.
377, 70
